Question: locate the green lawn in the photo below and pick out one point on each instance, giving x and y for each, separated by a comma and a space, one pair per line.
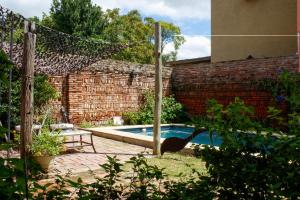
176, 166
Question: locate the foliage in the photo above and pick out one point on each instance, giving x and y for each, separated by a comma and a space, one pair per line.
10, 186
78, 17
145, 182
286, 91
131, 118
84, 19
12, 179
85, 124
170, 33
43, 91
129, 29
253, 162
133, 29
46, 144
170, 110
15, 95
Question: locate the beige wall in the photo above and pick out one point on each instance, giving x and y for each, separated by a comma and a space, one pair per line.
253, 17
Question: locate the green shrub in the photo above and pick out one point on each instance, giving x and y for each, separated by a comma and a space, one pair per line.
131, 118
46, 144
144, 182
43, 91
171, 109
254, 161
85, 124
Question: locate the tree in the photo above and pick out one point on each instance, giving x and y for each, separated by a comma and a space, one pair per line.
170, 34
129, 29
78, 17
133, 29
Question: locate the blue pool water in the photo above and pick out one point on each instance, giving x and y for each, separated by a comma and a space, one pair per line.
180, 132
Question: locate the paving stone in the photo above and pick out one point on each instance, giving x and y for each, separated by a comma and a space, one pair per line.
86, 159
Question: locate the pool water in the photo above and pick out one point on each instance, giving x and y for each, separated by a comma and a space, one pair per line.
180, 132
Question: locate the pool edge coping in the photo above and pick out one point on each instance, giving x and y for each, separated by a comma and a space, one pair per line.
131, 138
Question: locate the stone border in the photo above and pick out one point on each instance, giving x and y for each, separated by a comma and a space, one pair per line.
131, 138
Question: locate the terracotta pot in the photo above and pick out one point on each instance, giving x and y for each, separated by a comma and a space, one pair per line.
44, 161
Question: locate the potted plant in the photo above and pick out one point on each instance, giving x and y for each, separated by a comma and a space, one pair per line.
45, 147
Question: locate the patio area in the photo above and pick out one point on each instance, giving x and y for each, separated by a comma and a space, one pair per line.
82, 161
85, 160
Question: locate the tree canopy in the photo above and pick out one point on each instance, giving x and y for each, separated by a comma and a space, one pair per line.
82, 18
79, 17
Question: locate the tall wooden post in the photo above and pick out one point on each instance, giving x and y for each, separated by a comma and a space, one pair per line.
27, 87
158, 90
298, 32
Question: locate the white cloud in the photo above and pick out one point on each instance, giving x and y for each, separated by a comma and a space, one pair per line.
175, 9
194, 47
182, 11
28, 8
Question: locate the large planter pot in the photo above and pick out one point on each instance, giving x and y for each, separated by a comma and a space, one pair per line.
44, 161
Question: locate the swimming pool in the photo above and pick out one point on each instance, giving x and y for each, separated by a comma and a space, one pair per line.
177, 131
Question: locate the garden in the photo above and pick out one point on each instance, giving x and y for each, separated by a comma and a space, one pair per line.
258, 158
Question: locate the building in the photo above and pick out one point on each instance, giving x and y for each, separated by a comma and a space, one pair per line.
273, 22
239, 59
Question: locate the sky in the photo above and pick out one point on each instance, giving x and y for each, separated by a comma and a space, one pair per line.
192, 16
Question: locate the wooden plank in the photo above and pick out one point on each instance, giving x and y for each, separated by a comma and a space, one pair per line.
27, 87
158, 91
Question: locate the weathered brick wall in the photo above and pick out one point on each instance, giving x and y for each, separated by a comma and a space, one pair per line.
104, 90
110, 88
194, 84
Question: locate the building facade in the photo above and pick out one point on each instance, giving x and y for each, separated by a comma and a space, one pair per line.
244, 29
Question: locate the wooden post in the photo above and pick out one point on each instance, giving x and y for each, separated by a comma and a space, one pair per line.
158, 90
298, 32
27, 87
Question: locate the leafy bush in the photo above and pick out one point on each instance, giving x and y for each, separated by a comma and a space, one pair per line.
43, 91
85, 124
131, 118
46, 144
253, 162
144, 182
171, 109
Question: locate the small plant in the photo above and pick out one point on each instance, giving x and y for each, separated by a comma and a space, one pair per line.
46, 144
86, 124
171, 110
131, 118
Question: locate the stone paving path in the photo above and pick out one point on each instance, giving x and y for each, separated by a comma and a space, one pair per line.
85, 159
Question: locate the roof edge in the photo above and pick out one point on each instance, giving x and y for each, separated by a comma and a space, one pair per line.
189, 61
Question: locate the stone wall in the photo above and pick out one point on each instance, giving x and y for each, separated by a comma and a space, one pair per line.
104, 90
195, 82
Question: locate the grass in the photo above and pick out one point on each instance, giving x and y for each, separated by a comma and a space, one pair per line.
176, 166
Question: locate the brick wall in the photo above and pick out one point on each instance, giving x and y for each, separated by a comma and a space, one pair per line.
110, 88
104, 90
196, 82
